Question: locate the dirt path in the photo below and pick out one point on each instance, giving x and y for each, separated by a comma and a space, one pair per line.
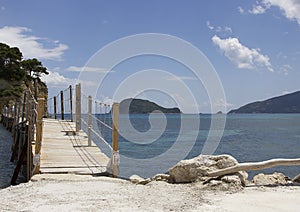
86, 193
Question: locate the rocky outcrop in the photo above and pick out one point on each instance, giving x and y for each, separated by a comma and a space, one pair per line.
187, 171
270, 179
196, 169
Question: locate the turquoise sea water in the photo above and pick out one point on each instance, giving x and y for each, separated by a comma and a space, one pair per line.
247, 137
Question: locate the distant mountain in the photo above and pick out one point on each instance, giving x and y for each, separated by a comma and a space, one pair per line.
141, 106
289, 103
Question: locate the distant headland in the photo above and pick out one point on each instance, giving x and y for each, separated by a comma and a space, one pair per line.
289, 103
141, 106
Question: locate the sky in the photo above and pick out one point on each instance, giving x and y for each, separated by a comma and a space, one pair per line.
253, 48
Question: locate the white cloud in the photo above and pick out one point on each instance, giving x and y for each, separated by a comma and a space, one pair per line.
218, 28
209, 25
242, 56
290, 8
285, 69
179, 78
32, 46
258, 9
55, 79
87, 68
241, 10
228, 29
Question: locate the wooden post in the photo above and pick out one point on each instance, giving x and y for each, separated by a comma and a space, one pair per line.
78, 107
24, 107
71, 103
62, 105
17, 112
90, 120
30, 137
55, 113
39, 134
21, 156
115, 136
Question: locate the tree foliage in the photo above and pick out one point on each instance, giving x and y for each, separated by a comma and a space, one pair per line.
17, 73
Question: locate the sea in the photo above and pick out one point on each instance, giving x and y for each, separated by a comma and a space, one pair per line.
151, 144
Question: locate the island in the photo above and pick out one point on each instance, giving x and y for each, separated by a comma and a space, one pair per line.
141, 106
289, 103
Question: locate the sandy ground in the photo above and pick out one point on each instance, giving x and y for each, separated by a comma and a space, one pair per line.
87, 193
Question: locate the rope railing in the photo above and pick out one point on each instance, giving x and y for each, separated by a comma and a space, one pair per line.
23, 119
101, 125
61, 106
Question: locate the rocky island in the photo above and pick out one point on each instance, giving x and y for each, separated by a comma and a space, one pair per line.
141, 106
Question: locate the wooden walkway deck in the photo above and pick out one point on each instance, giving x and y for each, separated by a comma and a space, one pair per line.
64, 152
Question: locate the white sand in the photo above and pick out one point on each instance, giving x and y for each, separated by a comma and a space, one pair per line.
86, 193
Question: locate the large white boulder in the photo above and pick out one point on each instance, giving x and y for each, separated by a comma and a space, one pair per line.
187, 171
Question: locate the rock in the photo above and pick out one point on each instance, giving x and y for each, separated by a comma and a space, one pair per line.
296, 179
161, 177
234, 182
226, 183
270, 179
187, 171
139, 180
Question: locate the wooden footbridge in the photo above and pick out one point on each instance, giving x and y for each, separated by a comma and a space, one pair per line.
57, 146
65, 151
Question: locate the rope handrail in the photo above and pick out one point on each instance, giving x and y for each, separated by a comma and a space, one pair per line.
96, 133
103, 123
61, 104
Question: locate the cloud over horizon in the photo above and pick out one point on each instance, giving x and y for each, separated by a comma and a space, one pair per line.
55, 79
88, 68
30, 45
290, 8
242, 56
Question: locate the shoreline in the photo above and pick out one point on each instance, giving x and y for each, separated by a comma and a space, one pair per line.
69, 192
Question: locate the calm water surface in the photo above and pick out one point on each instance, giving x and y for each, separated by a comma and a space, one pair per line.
247, 137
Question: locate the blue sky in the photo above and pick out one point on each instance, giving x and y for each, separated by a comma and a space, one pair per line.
254, 46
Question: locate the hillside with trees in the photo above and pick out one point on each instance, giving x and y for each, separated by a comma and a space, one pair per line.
289, 103
17, 74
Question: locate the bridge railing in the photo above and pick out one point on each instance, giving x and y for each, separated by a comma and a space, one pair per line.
24, 120
97, 119
61, 106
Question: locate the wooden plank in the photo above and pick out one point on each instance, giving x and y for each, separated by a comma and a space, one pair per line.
39, 132
68, 153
